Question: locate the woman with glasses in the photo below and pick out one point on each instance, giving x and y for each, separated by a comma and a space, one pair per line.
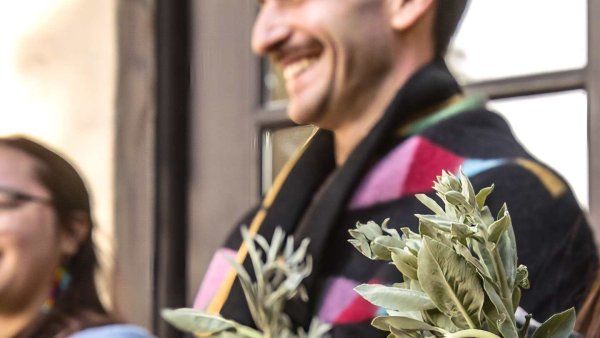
47, 257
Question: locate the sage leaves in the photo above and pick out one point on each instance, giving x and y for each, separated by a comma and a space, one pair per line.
451, 282
460, 272
279, 268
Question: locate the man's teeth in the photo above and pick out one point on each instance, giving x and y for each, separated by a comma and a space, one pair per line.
297, 67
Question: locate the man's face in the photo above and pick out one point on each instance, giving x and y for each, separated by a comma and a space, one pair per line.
333, 53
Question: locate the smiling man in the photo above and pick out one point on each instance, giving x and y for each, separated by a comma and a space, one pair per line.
370, 74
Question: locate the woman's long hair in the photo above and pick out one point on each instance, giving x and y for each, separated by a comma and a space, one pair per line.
588, 318
79, 306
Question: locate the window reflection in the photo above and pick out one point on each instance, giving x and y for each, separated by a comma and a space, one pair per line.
278, 147
512, 37
553, 127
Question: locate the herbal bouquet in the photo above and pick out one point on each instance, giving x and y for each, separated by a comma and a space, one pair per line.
460, 272
279, 269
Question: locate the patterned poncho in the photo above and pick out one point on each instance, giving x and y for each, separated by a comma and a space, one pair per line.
429, 127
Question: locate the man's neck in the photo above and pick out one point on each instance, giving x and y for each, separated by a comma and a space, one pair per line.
348, 135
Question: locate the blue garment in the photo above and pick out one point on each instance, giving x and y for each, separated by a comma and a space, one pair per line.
113, 331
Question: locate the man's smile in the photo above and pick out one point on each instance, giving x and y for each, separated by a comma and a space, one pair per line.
296, 68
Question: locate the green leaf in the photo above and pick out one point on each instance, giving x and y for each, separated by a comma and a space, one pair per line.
395, 333
456, 198
497, 312
502, 211
317, 329
467, 189
468, 256
390, 231
361, 244
462, 232
441, 223
371, 230
483, 194
403, 323
451, 283
516, 297
558, 326
430, 204
523, 277
438, 319
405, 262
507, 249
194, 321
486, 216
382, 245
486, 258
498, 228
394, 298
472, 333
300, 254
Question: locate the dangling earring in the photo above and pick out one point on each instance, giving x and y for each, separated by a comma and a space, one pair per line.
62, 279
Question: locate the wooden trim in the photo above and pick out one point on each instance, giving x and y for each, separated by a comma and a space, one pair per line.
273, 117
223, 153
593, 88
529, 84
135, 163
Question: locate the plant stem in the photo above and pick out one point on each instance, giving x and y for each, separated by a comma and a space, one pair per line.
472, 333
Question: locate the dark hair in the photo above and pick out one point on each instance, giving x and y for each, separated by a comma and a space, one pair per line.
79, 306
448, 15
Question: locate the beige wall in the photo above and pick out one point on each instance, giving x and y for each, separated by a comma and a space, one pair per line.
57, 83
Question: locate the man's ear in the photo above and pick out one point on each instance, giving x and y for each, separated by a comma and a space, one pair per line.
74, 233
405, 13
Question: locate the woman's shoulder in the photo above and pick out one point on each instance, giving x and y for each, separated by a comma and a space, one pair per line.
113, 331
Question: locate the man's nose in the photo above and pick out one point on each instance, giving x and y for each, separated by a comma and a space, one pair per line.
269, 30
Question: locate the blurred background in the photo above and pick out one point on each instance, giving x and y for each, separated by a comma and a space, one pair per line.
179, 129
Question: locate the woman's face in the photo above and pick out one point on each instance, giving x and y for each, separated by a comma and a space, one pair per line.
29, 234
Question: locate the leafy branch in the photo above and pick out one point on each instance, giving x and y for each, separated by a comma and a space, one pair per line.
460, 272
279, 269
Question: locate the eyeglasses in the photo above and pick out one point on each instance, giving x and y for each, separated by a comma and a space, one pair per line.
10, 198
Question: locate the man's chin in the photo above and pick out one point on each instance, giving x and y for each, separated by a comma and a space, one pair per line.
303, 113
300, 116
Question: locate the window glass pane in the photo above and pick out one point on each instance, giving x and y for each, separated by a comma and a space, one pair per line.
278, 147
553, 127
57, 81
273, 84
514, 37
